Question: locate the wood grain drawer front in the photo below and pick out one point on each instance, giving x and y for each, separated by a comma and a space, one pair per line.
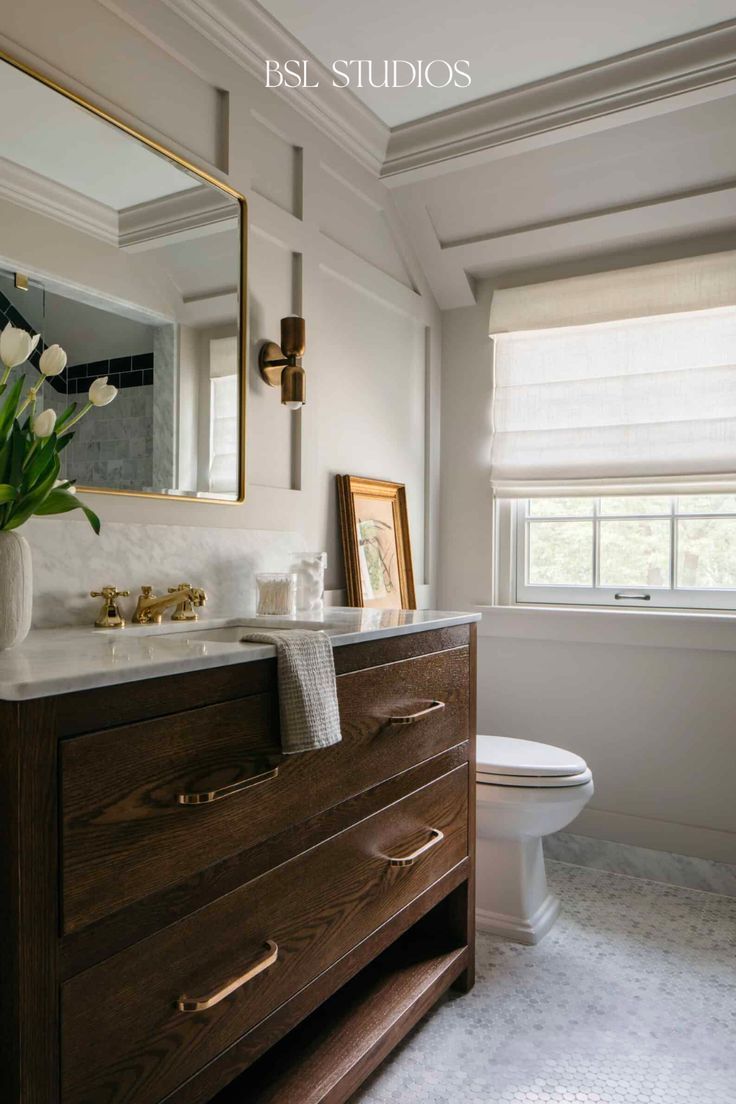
125, 1035
129, 831
401, 713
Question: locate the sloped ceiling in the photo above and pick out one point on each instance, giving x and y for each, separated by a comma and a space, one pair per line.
576, 156
506, 44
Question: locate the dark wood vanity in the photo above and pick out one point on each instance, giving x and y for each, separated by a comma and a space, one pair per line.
189, 915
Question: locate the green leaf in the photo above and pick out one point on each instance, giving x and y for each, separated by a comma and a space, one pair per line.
7, 493
10, 407
65, 416
4, 461
42, 461
61, 502
30, 502
19, 447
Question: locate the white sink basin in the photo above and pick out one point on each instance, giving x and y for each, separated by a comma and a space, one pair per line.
233, 634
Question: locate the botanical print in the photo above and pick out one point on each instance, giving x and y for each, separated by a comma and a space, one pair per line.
377, 551
374, 526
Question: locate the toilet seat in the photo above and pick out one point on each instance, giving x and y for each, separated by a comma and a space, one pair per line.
529, 782
503, 761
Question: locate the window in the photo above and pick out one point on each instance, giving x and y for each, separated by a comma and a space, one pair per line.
613, 458
224, 407
628, 551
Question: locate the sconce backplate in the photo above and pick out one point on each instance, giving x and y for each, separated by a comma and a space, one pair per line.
271, 373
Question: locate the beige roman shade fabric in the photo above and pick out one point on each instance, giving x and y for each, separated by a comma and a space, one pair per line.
672, 287
638, 405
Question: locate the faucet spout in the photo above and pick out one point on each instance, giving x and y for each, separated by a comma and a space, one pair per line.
150, 607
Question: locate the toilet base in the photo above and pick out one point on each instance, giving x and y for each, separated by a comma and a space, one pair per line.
517, 930
512, 898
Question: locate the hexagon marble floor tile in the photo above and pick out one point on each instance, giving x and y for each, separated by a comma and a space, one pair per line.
630, 999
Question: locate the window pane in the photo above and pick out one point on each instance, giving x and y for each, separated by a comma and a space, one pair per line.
635, 553
635, 504
561, 507
561, 553
706, 504
706, 553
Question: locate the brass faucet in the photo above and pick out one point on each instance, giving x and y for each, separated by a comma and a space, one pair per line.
150, 607
110, 616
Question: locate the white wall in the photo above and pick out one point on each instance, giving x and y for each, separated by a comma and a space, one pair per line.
324, 242
653, 717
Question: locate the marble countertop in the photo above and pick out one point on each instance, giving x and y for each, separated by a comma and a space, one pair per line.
63, 660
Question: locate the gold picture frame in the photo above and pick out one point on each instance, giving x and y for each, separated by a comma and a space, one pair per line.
240, 496
374, 525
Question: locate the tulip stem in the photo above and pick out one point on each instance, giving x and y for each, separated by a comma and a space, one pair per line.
30, 453
31, 396
73, 421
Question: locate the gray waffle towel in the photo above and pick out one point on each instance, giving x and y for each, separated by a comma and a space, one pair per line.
310, 717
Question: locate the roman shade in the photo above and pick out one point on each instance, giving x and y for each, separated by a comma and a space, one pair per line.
671, 287
637, 405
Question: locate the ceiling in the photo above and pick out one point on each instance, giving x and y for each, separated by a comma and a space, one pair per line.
54, 138
506, 44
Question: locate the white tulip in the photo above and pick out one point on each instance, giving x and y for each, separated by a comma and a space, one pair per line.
43, 424
53, 360
16, 346
101, 392
62, 483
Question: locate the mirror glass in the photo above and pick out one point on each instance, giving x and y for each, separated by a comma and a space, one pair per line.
134, 265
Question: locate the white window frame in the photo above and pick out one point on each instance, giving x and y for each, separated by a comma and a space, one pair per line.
215, 382
514, 535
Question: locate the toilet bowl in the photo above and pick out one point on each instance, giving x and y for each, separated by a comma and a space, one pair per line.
524, 791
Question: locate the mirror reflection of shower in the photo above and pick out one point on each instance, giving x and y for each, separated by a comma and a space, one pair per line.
133, 265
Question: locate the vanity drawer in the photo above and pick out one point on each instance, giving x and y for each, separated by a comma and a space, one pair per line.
132, 823
126, 832
125, 1036
401, 713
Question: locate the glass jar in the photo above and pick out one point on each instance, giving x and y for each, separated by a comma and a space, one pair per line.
276, 593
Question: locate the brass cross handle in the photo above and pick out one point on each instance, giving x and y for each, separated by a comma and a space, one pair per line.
109, 616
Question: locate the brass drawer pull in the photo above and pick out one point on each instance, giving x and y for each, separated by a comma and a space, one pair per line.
412, 718
208, 796
407, 860
198, 1004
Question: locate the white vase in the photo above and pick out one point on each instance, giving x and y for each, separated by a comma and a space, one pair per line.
16, 589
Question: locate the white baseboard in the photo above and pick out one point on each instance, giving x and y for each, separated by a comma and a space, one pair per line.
658, 835
642, 862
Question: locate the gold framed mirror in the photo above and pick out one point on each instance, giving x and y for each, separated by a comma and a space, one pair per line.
134, 260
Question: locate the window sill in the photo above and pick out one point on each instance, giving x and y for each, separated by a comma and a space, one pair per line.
697, 630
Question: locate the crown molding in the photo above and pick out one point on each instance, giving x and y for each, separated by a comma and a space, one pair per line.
679, 65
38, 193
181, 215
249, 35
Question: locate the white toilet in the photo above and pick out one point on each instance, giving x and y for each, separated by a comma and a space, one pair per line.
524, 791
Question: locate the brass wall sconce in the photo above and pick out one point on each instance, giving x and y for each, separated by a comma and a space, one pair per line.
279, 365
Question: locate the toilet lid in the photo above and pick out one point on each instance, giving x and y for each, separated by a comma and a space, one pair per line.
501, 755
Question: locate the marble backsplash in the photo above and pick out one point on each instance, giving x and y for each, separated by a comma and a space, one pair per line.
69, 561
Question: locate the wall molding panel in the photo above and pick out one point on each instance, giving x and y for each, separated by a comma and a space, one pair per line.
247, 33
275, 147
